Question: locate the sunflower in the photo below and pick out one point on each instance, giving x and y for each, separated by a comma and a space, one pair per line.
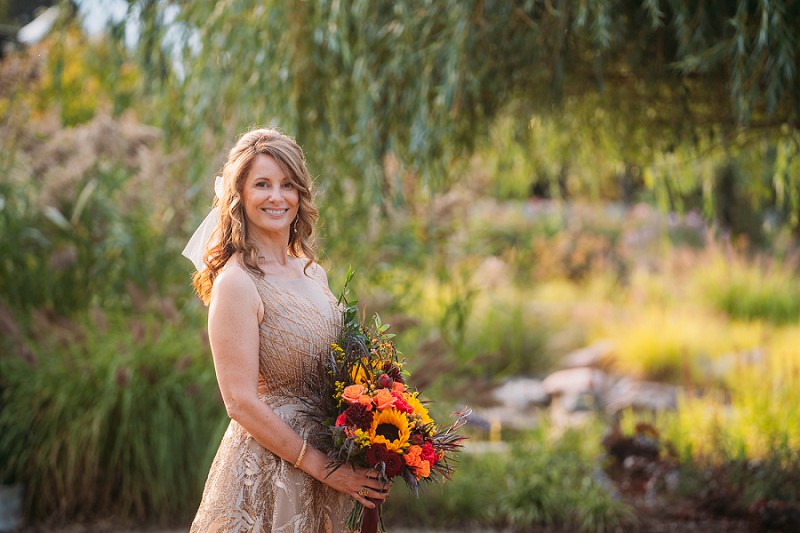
363, 372
389, 427
419, 409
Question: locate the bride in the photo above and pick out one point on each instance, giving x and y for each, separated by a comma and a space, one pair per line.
271, 319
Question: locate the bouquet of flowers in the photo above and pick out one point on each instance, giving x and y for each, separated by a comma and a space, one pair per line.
371, 416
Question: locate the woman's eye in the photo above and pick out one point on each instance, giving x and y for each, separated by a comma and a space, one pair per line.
288, 185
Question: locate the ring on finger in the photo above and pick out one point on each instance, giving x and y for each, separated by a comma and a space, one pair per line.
363, 492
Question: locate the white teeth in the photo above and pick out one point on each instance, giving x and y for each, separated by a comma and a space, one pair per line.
275, 211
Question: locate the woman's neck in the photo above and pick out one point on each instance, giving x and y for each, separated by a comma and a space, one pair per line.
272, 248
272, 251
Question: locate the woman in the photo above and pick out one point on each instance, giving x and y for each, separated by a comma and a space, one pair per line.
271, 318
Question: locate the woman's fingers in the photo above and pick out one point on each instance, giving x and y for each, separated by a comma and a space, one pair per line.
371, 488
362, 496
377, 487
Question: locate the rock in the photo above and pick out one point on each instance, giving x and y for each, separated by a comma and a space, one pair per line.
576, 393
574, 402
595, 356
521, 393
499, 418
641, 396
576, 381
602, 480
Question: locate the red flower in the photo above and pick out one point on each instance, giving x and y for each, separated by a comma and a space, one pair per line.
394, 465
416, 438
401, 404
429, 453
377, 453
341, 420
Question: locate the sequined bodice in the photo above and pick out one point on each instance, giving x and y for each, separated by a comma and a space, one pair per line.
301, 320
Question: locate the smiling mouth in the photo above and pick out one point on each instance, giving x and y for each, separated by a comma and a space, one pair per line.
275, 211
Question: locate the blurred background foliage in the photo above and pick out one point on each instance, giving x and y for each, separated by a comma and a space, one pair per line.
511, 180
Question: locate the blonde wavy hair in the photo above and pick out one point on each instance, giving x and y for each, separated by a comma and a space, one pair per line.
231, 235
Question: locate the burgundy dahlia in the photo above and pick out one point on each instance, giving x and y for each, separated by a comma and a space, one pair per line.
358, 416
394, 465
417, 439
376, 453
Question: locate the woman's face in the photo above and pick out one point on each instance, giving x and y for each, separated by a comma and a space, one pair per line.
270, 199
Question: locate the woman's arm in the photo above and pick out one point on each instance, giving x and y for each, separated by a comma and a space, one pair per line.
235, 312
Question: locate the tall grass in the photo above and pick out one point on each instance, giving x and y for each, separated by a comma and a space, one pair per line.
506, 335
745, 290
756, 418
117, 416
675, 344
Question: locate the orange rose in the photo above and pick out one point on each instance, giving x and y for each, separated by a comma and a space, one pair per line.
352, 393
366, 401
383, 399
412, 455
398, 387
424, 469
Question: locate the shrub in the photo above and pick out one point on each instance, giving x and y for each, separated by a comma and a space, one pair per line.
541, 482
752, 292
758, 416
113, 417
86, 213
505, 335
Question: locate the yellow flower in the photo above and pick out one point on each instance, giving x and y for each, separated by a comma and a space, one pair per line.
339, 390
362, 438
390, 427
419, 409
363, 373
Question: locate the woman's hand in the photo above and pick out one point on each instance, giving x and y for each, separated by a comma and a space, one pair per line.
363, 484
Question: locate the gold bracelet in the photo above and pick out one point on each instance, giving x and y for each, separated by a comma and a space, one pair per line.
302, 453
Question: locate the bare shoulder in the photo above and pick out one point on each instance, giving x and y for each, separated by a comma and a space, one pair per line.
234, 285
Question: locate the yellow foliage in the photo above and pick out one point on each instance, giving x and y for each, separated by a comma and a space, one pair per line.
677, 344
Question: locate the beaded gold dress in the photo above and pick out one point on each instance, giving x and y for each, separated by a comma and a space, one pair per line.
249, 488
